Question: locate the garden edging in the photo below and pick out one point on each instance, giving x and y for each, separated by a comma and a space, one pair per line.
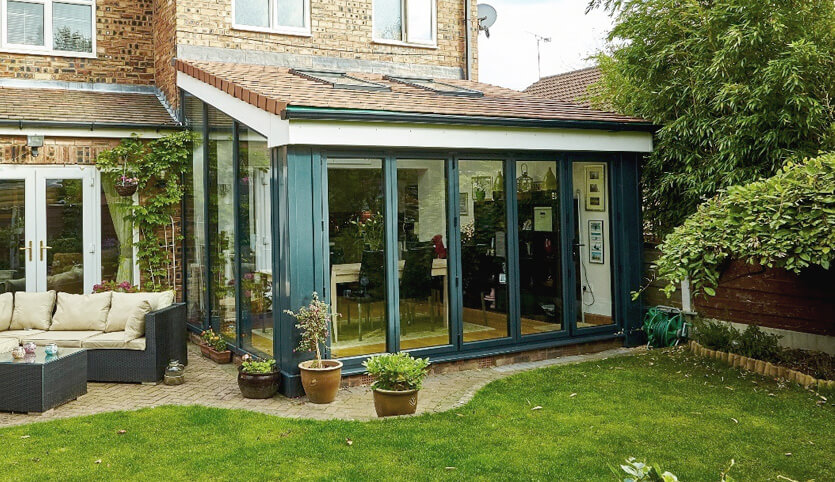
764, 368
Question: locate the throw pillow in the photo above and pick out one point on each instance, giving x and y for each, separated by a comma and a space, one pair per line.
81, 312
33, 311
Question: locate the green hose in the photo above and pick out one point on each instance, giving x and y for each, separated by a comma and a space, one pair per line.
664, 326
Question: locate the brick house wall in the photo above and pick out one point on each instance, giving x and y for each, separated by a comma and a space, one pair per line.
56, 150
165, 48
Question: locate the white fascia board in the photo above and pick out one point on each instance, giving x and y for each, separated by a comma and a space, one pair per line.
95, 133
268, 125
377, 134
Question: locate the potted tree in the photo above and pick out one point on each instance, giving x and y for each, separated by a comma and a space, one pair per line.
258, 378
398, 378
320, 378
214, 347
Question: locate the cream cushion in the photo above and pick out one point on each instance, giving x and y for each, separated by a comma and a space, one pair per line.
114, 340
19, 335
8, 344
81, 312
135, 326
123, 304
66, 339
33, 310
6, 308
163, 299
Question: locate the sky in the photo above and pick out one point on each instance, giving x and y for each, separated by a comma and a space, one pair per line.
508, 57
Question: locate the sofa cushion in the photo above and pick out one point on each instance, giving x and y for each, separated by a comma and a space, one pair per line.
135, 326
66, 339
33, 310
116, 340
6, 308
8, 344
19, 335
163, 299
81, 312
123, 305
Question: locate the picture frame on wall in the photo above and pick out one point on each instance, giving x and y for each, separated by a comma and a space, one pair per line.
595, 175
596, 249
463, 204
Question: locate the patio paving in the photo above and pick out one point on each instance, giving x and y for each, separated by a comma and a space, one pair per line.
215, 385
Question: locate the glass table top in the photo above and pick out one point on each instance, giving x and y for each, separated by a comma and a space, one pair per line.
39, 357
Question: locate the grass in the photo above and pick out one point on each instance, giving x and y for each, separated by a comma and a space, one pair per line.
691, 416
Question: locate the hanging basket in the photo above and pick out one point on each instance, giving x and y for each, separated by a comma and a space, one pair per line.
126, 190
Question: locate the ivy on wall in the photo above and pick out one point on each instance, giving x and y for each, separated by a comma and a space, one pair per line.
785, 221
158, 166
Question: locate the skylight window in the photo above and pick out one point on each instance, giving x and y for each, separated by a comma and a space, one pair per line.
435, 86
340, 80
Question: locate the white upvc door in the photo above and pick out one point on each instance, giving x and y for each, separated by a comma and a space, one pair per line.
59, 237
17, 229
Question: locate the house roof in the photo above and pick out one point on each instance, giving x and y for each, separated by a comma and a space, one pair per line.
566, 87
76, 106
280, 91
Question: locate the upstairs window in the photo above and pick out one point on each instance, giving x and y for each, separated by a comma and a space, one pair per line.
405, 21
279, 16
53, 27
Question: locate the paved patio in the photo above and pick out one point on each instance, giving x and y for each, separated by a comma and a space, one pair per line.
215, 385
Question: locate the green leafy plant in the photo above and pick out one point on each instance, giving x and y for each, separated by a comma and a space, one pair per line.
371, 231
737, 86
639, 471
257, 367
156, 167
755, 343
397, 371
714, 334
314, 323
213, 340
785, 221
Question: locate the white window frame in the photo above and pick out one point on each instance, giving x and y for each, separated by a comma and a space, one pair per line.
405, 26
47, 48
274, 26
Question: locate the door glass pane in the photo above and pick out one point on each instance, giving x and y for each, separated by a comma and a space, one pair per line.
422, 241
64, 236
483, 249
254, 218
357, 256
291, 13
388, 19
222, 224
72, 27
25, 23
13, 236
592, 253
254, 13
419, 20
194, 242
116, 235
540, 261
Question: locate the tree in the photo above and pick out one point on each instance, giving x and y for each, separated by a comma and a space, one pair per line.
738, 86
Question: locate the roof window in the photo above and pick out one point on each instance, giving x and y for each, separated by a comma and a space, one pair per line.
435, 86
339, 80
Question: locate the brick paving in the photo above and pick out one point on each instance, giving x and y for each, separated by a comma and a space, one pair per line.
215, 385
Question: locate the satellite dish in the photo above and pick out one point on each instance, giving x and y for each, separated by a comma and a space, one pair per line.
486, 17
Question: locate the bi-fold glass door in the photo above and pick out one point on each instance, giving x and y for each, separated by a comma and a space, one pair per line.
47, 237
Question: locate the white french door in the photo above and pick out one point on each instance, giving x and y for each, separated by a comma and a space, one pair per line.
47, 231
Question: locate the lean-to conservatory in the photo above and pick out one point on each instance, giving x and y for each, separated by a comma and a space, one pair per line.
445, 217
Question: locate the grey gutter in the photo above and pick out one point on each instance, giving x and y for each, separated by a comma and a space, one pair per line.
85, 125
315, 113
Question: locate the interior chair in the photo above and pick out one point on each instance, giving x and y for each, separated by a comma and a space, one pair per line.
370, 289
416, 280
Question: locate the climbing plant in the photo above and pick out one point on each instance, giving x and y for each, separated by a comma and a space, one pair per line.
158, 166
785, 221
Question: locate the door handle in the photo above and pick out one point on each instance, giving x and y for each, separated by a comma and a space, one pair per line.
44, 248
29, 248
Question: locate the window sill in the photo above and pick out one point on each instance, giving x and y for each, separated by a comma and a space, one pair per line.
277, 31
398, 43
47, 53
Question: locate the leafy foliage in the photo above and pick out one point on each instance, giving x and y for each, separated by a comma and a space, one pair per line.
739, 86
213, 340
314, 323
753, 342
256, 367
785, 221
157, 166
397, 371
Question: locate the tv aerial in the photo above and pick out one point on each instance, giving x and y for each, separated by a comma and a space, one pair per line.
486, 17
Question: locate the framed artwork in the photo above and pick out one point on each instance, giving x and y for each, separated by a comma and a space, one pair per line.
463, 204
482, 188
595, 187
596, 251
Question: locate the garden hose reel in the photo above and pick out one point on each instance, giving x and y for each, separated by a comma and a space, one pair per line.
664, 326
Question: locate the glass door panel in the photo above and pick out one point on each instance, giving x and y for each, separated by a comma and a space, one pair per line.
15, 245
540, 256
421, 239
592, 246
61, 248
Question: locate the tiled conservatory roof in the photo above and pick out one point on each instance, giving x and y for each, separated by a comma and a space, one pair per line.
83, 107
274, 89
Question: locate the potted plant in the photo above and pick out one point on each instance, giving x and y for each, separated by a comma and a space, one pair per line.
214, 347
397, 379
258, 378
320, 378
126, 186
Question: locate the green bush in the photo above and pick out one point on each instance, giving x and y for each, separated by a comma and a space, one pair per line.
397, 371
753, 342
714, 334
257, 367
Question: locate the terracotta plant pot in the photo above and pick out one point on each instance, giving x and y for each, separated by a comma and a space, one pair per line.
321, 384
221, 357
389, 403
258, 385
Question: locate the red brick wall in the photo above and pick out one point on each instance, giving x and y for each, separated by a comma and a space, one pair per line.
165, 48
56, 150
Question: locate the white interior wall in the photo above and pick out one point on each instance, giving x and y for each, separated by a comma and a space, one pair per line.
598, 277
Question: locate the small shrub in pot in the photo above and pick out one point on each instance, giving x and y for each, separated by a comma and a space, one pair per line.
320, 378
214, 347
397, 379
258, 378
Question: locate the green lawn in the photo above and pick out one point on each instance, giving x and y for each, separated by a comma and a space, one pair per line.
689, 415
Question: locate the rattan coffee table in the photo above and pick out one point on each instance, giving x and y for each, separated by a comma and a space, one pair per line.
41, 382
